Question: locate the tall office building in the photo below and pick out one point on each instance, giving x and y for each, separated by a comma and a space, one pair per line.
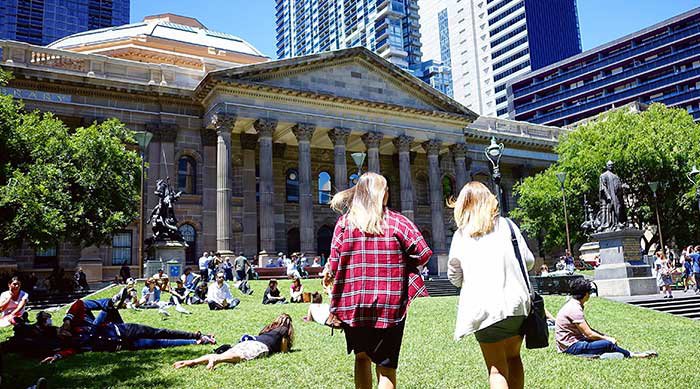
390, 28
41, 22
486, 43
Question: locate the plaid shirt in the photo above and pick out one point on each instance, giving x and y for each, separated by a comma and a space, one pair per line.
376, 276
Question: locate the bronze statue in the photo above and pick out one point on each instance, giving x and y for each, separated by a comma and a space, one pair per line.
612, 207
591, 223
163, 221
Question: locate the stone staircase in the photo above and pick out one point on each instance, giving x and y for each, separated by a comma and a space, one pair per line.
438, 287
682, 304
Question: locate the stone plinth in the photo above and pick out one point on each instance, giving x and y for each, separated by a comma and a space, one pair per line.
620, 272
91, 263
170, 253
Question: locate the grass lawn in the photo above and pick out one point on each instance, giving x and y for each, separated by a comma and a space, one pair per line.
429, 356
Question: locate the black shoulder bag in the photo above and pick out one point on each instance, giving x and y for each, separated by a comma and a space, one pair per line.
535, 326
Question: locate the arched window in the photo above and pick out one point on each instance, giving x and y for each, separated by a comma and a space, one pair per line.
324, 235
448, 187
324, 188
292, 186
187, 175
421, 188
189, 234
353, 179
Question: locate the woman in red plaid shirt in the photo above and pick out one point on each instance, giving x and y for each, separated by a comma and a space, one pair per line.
375, 254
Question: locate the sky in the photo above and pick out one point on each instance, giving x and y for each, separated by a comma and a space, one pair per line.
600, 21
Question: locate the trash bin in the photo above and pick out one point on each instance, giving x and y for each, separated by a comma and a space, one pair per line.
173, 269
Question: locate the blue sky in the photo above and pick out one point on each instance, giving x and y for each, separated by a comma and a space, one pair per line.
254, 20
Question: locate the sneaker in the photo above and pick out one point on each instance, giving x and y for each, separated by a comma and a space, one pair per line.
179, 308
645, 354
163, 312
665, 296
206, 339
612, 356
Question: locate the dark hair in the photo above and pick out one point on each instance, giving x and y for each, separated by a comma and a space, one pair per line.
579, 287
241, 253
272, 281
13, 279
316, 298
283, 320
188, 269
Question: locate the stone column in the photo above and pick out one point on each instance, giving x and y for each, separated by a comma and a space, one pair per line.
223, 122
339, 137
265, 128
304, 132
250, 202
208, 171
459, 151
372, 141
432, 147
403, 145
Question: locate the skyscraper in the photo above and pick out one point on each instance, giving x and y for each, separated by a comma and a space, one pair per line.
490, 42
388, 27
41, 22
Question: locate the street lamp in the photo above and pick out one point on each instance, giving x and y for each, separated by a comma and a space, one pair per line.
143, 138
691, 176
494, 152
654, 185
561, 176
359, 159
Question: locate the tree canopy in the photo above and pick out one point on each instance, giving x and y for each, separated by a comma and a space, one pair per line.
59, 184
659, 144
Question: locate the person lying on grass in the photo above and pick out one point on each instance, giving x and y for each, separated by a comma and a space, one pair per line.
82, 331
573, 334
277, 336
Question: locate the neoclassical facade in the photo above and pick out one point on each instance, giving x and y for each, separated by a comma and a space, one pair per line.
258, 149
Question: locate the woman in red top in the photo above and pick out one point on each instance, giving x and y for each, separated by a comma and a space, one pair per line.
374, 257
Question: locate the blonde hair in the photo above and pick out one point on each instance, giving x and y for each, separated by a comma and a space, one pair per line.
364, 203
475, 209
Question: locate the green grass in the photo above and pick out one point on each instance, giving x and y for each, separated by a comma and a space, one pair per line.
429, 356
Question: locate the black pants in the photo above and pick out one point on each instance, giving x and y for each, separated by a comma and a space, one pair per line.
697, 281
205, 274
214, 306
132, 331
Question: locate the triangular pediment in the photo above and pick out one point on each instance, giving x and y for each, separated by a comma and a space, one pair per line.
356, 74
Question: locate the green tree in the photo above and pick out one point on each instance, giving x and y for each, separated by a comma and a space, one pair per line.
659, 144
58, 184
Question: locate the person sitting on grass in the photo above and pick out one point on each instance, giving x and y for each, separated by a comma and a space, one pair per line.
190, 279
573, 334
277, 336
219, 296
108, 332
272, 294
317, 311
12, 303
200, 294
296, 291
150, 295
127, 296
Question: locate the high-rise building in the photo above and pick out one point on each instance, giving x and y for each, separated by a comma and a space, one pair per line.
660, 63
390, 28
486, 43
41, 22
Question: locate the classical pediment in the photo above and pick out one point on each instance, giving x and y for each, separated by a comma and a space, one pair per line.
356, 74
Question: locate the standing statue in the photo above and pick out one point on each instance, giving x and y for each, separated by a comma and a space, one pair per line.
163, 221
612, 207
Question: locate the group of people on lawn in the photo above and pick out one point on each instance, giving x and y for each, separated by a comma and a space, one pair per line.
372, 277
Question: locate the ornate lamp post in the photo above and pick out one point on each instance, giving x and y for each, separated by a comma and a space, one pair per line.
691, 176
654, 185
359, 159
561, 176
494, 152
143, 138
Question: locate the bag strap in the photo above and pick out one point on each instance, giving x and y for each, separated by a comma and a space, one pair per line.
516, 248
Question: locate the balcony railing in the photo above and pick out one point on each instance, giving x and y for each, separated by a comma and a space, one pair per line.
633, 72
625, 54
23, 55
677, 97
615, 97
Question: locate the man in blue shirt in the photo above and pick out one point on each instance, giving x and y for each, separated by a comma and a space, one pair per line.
695, 257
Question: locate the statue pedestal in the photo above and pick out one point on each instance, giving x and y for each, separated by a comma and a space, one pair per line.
589, 251
620, 272
91, 263
169, 256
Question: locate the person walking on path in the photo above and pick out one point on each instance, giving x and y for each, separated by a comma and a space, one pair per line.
494, 298
374, 257
695, 256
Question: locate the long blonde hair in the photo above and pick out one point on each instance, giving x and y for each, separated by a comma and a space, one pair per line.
364, 203
475, 210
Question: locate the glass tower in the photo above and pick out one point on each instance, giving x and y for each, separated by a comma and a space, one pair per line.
390, 28
41, 22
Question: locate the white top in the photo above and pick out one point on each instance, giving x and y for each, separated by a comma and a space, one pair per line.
219, 294
6, 298
320, 312
489, 274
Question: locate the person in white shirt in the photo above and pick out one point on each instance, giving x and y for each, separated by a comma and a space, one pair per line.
204, 266
12, 302
219, 296
494, 299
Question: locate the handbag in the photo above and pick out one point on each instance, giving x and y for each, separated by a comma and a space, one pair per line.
535, 326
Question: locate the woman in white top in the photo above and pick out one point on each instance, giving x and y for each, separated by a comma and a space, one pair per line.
494, 299
12, 302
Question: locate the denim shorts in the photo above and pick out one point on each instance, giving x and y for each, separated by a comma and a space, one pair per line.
504, 329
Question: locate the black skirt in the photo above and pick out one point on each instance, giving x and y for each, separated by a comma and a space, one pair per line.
382, 345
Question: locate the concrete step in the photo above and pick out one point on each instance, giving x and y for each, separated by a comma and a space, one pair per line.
439, 287
681, 305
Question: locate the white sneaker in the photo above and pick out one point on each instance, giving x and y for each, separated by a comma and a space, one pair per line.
179, 308
163, 312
